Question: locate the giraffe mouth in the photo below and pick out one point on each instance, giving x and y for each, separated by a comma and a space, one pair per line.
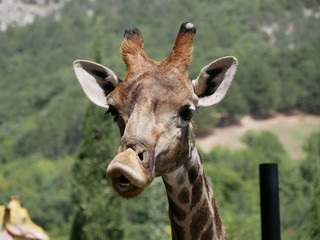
125, 187
129, 177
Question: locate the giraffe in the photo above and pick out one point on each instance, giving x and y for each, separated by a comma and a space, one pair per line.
15, 222
153, 107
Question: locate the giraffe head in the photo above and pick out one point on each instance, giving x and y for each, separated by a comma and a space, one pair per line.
16, 222
153, 106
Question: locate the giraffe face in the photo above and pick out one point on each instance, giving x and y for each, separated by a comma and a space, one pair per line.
153, 113
153, 106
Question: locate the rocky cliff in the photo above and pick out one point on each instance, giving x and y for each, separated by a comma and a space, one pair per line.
23, 12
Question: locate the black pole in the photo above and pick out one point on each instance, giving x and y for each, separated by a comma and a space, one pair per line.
269, 201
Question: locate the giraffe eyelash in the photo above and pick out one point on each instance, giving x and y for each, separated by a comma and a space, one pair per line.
187, 112
114, 112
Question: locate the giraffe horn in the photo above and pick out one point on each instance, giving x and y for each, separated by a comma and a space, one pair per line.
181, 53
132, 49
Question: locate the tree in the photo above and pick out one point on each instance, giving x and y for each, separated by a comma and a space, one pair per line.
311, 173
265, 144
145, 217
99, 211
257, 79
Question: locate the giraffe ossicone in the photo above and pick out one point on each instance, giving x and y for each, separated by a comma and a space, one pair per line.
153, 107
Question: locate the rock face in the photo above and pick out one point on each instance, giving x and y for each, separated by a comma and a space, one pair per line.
23, 12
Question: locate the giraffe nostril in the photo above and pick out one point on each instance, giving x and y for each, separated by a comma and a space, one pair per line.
140, 155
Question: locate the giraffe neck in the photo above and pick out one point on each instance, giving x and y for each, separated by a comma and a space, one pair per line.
192, 207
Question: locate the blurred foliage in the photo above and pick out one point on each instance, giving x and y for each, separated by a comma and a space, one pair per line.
236, 185
44, 188
278, 57
44, 124
310, 170
98, 209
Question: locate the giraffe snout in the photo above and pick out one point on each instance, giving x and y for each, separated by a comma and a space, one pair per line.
128, 174
141, 149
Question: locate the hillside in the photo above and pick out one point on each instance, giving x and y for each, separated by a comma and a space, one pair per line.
24, 12
44, 115
292, 131
36, 63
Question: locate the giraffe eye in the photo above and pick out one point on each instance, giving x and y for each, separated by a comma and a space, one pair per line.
186, 113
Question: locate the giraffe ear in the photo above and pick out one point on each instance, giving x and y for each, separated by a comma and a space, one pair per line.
214, 80
96, 80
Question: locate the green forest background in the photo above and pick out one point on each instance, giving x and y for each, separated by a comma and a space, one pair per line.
55, 145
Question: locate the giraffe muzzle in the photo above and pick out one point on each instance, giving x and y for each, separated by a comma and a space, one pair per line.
128, 175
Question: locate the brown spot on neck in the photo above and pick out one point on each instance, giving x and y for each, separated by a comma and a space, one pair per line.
208, 234
178, 232
176, 211
199, 220
168, 187
184, 196
193, 174
197, 190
